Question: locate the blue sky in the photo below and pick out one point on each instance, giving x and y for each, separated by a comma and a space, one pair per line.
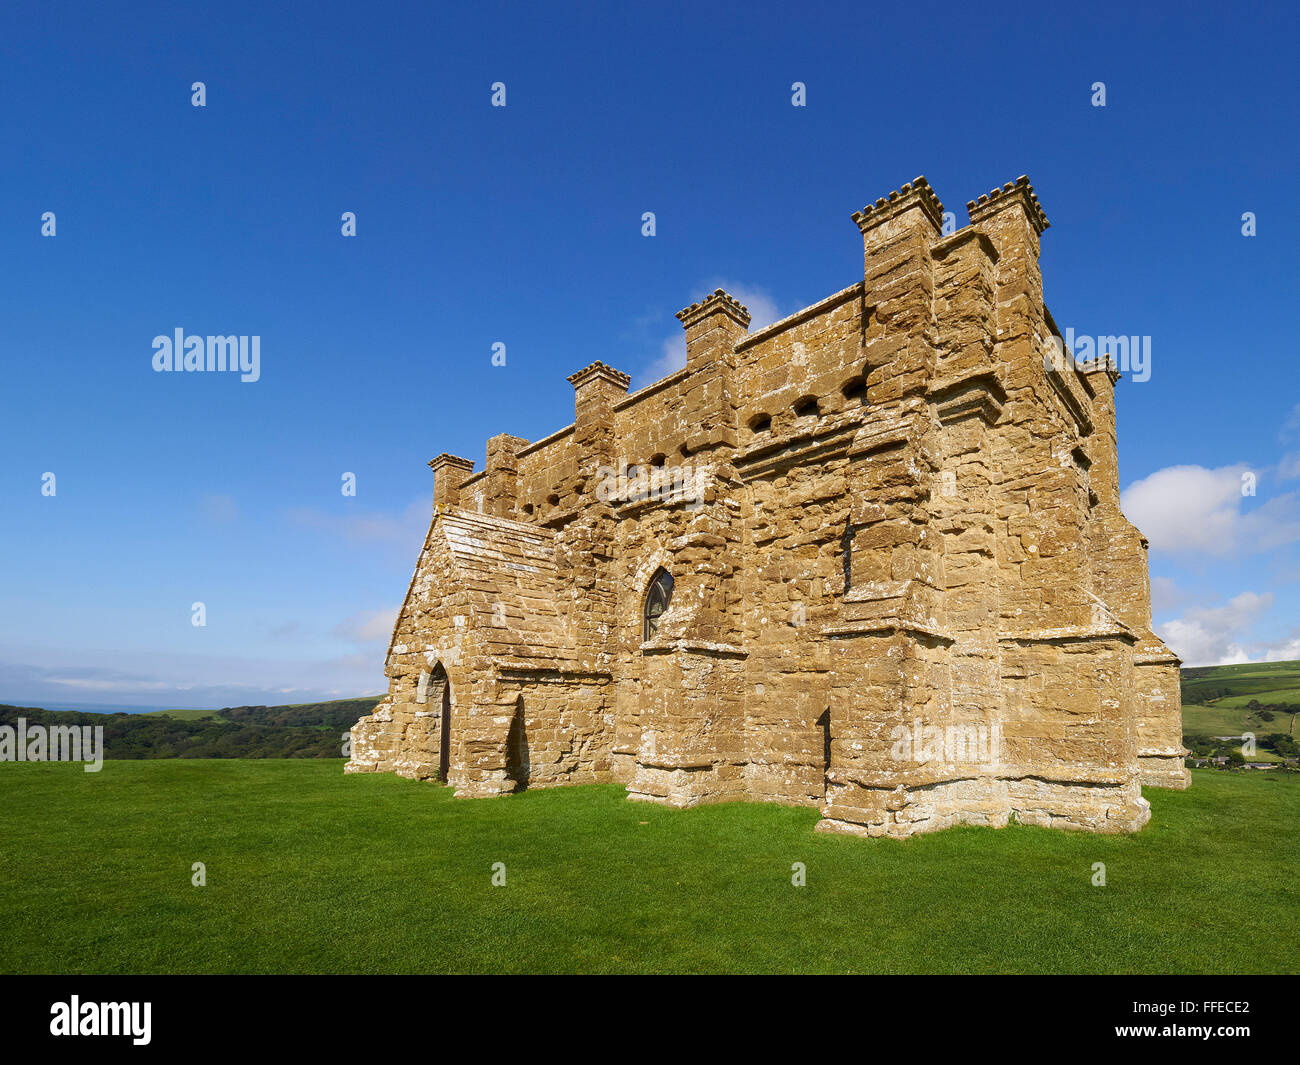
522, 225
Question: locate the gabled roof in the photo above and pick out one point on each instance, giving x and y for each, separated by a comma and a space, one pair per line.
508, 572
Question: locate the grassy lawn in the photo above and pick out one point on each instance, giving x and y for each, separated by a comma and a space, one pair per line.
312, 871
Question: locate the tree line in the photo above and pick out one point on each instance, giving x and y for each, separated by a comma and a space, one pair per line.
311, 730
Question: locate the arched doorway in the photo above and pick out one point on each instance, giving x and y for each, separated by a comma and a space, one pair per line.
824, 723
518, 762
440, 684
444, 746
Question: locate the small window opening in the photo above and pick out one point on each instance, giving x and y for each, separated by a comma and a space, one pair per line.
806, 408
657, 598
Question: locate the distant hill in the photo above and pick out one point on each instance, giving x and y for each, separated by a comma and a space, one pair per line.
1258, 697
302, 730
340, 713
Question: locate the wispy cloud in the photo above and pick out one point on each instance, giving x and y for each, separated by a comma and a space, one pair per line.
219, 508
368, 626
139, 678
406, 529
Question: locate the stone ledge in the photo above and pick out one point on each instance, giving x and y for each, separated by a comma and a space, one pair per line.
871, 626
1067, 633
705, 647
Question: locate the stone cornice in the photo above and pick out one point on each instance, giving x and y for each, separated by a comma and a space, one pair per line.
1069, 634
511, 668
1099, 365
829, 438
692, 646
873, 626
446, 459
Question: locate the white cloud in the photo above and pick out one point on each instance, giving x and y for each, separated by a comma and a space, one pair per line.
1286, 650
1217, 636
1289, 466
1191, 509
672, 358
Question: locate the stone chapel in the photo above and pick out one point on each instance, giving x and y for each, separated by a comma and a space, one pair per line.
869, 558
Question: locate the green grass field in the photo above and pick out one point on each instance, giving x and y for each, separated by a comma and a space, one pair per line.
183, 715
309, 870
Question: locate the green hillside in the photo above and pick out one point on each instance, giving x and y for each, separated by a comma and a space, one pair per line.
1258, 697
300, 730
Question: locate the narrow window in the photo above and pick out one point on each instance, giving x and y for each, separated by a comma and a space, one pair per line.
656, 602
760, 423
855, 390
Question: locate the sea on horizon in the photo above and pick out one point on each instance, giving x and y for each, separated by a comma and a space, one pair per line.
94, 708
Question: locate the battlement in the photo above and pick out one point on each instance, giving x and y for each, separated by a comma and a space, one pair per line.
717, 301
996, 199
598, 371
917, 192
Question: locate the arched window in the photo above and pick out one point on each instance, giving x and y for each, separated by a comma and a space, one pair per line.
657, 599
807, 407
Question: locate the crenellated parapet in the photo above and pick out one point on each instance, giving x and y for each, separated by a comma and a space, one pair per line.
916, 193
713, 327
598, 371
717, 302
996, 199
